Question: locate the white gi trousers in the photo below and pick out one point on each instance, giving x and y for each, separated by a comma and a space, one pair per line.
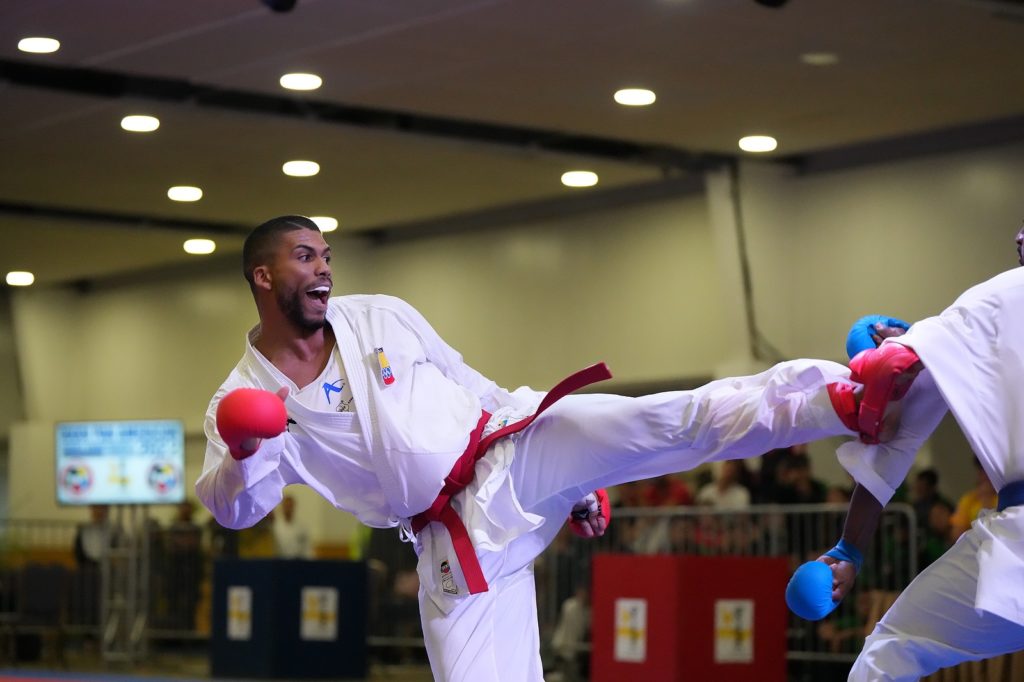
935, 623
584, 442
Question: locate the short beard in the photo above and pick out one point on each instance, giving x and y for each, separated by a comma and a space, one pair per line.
291, 306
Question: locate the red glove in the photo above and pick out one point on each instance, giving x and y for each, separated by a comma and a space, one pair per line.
591, 515
249, 414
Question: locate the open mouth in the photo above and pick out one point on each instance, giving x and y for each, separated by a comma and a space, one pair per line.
319, 294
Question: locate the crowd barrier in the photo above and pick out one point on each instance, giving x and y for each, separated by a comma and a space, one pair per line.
45, 591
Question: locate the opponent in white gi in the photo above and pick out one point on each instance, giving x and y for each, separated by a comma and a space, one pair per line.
969, 604
380, 410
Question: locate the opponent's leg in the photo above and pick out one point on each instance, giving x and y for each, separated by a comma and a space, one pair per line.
489, 636
934, 624
591, 441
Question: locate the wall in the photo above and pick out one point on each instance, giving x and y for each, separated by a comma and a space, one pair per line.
646, 287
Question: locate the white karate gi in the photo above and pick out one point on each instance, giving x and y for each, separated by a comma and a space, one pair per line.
386, 461
969, 604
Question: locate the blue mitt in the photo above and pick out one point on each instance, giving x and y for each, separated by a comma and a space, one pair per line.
809, 592
859, 338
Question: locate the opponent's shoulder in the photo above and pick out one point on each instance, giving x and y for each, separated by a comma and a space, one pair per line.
1006, 287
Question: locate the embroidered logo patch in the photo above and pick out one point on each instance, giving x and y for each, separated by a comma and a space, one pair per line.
447, 579
386, 375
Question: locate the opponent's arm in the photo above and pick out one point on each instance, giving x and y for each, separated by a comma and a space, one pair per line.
846, 558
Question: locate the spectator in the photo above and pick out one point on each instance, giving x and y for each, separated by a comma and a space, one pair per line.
725, 490
799, 485
291, 537
970, 504
665, 491
925, 493
937, 535
184, 567
94, 539
718, 534
571, 632
770, 476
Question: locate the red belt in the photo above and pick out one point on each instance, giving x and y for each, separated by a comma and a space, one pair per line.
462, 473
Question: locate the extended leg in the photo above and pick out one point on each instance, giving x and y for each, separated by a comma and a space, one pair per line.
591, 441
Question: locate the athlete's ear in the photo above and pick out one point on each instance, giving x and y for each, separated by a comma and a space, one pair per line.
261, 277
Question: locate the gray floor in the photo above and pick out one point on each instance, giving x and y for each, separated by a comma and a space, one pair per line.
179, 665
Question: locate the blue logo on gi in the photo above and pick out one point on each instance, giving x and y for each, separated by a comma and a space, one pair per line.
331, 388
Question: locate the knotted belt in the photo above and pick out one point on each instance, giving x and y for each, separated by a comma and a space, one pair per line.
1011, 495
462, 473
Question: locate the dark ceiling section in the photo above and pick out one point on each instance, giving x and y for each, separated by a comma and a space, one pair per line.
110, 84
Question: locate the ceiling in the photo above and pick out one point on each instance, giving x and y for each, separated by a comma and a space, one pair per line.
431, 110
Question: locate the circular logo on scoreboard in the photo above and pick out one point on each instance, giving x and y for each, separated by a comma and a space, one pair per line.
76, 479
163, 477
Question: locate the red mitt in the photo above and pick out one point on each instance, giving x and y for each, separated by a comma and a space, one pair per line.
591, 515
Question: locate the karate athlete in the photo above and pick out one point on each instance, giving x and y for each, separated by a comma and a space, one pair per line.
969, 604
387, 422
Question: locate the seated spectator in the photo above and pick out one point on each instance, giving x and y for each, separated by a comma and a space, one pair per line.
798, 484
725, 490
769, 477
970, 504
665, 491
923, 494
936, 537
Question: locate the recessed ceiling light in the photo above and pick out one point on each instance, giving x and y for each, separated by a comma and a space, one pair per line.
301, 81
579, 178
301, 169
819, 58
325, 222
635, 97
39, 45
138, 123
199, 246
20, 278
758, 144
184, 193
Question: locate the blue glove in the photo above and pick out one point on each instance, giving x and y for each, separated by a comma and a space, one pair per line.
809, 592
844, 551
859, 338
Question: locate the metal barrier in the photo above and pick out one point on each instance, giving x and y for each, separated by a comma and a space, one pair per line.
798, 532
43, 589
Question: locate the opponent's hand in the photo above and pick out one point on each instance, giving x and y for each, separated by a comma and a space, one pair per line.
590, 516
881, 332
844, 573
246, 416
870, 330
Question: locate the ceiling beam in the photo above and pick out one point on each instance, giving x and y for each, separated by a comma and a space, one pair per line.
112, 84
126, 220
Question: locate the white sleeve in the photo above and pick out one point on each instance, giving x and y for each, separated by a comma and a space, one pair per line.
240, 492
882, 468
450, 362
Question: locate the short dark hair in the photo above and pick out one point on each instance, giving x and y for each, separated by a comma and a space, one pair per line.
929, 476
260, 243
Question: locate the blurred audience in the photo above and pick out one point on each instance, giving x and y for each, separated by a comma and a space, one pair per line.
291, 537
725, 491
970, 504
798, 485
